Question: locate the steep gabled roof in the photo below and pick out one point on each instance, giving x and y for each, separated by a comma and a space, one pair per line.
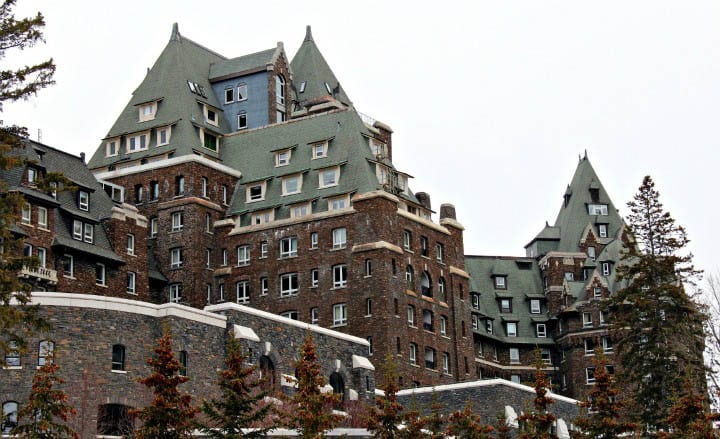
309, 67
243, 65
181, 61
574, 217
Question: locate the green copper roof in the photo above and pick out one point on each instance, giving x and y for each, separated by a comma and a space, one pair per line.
230, 68
309, 67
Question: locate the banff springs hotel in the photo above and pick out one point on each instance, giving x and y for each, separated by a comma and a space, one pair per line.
246, 197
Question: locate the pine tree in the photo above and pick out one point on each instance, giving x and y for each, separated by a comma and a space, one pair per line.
311, 412
502, 428
659, 329
690, 417
170, 415
467, 425
602, 408
47, 411
536, 423
241, 406
435, 420
385, 417
18, 321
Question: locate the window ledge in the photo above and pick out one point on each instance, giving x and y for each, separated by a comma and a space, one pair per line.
367, 315
69, 277
287, 257
243, 265
445, 336
44, 229
367, 276
428, 258
412, 326
411, 293
415, 365
338, 288
12, 367
101, 285
124, 372
408, 250
339, 325
334, 249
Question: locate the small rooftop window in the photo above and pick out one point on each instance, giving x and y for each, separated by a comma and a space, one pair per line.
302, 87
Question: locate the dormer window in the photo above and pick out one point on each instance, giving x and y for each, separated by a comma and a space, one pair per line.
163, 136
606, 268
378, 149
597, 209
500, 282
211, 116
242, 92
300, 210
255, 192
329, 177
591, 252
292, 184
111, 148
32, 174
302, 87
263, 217
210, 141
339, 203
242, 122
382, 172
319, 150
147, 111
137, 142
229, 95
327, 87
282, 158
602, 230
83, 200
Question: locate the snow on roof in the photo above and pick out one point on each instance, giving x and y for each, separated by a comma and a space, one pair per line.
245, 333
359, 361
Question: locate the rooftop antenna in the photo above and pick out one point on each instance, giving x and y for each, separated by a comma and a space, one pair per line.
39, 136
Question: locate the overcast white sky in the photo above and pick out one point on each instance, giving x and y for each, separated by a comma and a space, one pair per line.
491, 101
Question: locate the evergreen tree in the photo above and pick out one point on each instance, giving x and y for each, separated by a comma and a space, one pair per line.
659, 329
467, 425
170, 415
47, 411
241, 406
601, 410
536, 423
502, 428
435, 420
690, 417
311, 411
18, 321
385, 417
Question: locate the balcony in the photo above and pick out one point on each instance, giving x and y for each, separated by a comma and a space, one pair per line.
40, 273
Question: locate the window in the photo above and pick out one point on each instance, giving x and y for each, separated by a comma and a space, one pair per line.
68, 265
514, 355
118, 357
569, 276
256, 192
506, 305
603, 317
340, 314
370, 345
210, 141
314, 240
137, 143
409, 278
242, 91
177, 221
46, 352
589, 346
597, 209
340, 276
224, 194
9, 416
291, 184
602, 230
475, 322
100, 274
26, 213
407, 239
314, 316
413, 354
314, 277
368, 267
208, 293
42, 217
179, 185
607, 344
446, 363
147, 111
500, 282
163, 136
224, 257
131, 282
264, 286
545, 356
597, 292
441, 290
302, 87
587, 319
138, 193
111, 148
423, 246
282, 158
221, 292
42, 256
27, 250
229, 95
288, 247
368, 307
204, 187
263, 216
425, 284
443, 325
606, 269
280, 89
511, 329
154, 191
208, 223
411, 315
243, 255
290, 315
130, 244
339, 237
300, 210
439, 252
83, 200
175, 293
319, 150
288, 284
176, 257
589, 375
263, 249
428, 320
541, 330
328, 177
242, 291
535, 306
591, 252
489, 326
430, 358
12, 356
242, 122
89, 233
338, 203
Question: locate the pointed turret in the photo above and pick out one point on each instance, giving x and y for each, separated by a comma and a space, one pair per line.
314, 81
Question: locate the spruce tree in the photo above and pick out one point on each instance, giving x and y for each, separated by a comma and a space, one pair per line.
467, 425
47, 411
536, 423
658, 328
690, 416
385, 417
311, 409
170, 415
601, 410
502, 428
240, 411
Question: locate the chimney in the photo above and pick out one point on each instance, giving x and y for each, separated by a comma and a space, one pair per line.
447, 211
385, 136
82, 157
424, 199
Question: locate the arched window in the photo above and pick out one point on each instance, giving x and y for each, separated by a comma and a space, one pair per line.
9, 416
441, 290
115, 420
118, 357
409, 278
46, 352
183, 359
267, 372
426, 284
280, 90
337, 383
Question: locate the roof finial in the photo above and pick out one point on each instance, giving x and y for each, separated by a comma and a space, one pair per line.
308, 33
175, 36
585, 153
